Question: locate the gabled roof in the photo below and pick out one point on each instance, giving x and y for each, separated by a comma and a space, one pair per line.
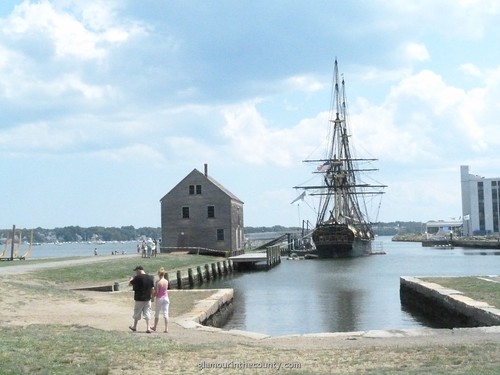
213, 181
231, 195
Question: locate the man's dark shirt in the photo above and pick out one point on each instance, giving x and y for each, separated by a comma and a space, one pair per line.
142, 285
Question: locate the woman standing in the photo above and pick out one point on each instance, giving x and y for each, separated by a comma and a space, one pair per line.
162, 300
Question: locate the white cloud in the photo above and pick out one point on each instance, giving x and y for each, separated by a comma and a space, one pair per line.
68, 35
378, 133
449, 109
133, 153
416, 52
71, 83
471, 70
468, 19
49, 51
429, 88
375, 75
86, 38
252, 141
18, 84
246, 130
420, 118
306, 83
38, 138
188, 150
12, 76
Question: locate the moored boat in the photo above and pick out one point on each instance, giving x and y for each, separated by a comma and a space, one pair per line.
342, 227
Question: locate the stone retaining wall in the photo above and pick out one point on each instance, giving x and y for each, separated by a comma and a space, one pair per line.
212, 311
448, 307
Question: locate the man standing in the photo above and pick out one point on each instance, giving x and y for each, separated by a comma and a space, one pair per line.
143, 285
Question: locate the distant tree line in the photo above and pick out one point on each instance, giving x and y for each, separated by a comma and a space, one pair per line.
80, 234
398, 227
381, 229
129, 233
275, 228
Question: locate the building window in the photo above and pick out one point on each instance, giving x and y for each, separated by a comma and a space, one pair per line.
194, 189
211, 211
185, 212
494, 202
220, 234
480, 199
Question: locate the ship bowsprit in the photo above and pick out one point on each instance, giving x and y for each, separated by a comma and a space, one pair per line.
341, 240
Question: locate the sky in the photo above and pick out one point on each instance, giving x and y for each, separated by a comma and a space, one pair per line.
106, 105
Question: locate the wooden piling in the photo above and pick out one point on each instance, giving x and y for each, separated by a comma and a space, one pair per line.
200, 274
179, 280
190, 277
273, 256
214, 271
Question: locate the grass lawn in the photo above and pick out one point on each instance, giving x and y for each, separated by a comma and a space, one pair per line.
120, 268
473, 287
17, 262
84, 350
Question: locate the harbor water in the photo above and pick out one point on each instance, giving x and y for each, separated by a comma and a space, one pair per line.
342, 295
75, 249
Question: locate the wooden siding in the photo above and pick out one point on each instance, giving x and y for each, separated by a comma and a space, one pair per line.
199, 230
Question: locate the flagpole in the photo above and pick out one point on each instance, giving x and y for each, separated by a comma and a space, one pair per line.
298, 211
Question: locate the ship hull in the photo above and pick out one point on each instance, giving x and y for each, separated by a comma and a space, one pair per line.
340, 241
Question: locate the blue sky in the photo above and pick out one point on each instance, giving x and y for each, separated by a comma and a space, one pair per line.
107, 105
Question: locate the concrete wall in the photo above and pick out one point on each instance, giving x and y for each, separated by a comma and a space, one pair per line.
449, 308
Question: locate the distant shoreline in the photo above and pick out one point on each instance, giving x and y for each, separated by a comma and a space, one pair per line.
479, 242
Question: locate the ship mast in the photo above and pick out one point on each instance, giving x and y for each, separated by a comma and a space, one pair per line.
340, 190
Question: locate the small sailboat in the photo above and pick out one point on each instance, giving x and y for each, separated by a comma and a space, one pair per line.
342, 226
15, 250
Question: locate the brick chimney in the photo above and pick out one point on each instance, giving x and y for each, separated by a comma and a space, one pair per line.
206, 170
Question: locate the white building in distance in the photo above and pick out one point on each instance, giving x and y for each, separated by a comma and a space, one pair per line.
480, 203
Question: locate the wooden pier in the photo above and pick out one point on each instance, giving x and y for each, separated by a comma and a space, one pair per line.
271, 258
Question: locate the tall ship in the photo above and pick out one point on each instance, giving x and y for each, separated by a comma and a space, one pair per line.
342, 226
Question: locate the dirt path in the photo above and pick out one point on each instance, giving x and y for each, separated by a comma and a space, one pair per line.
22, 267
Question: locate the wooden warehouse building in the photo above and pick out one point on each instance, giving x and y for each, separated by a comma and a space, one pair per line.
200, 213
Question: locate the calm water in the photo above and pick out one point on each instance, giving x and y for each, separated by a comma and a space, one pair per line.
75, 249
310, 296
